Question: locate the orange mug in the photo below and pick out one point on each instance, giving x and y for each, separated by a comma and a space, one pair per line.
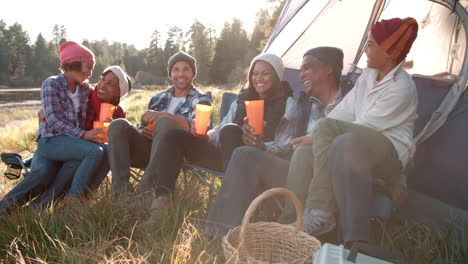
151, 125
254, 111
106, 112
105, 128
202, 118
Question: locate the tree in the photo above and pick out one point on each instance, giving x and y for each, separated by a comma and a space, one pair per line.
155, 56
201, 47
58, 32
40, 60
4, 60
230, 51
261, 31
18, 51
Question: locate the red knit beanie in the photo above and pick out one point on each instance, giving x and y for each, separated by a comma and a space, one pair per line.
73, 52
395, 36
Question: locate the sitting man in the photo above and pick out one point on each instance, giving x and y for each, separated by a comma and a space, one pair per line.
260, 166
173, 108
368, 137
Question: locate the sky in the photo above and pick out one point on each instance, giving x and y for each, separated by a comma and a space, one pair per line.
130, 21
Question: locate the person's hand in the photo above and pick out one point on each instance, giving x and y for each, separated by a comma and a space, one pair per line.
192, 130
147, 133
40, 115
301, 141
248, 138
398, 191
150, 116
93, 135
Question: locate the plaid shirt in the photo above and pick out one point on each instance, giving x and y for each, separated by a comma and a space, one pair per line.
185, 109
61, 117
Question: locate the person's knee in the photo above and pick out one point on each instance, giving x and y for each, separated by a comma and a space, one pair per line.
175, 135
323, 127
163, 125
230, 130
303, 154
244, 154
346, 149
95, 153
118, 126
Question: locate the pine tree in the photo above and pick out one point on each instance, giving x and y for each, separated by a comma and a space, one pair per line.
4, 60
40, 59
201, 47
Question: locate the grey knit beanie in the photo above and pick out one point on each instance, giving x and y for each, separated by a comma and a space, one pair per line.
331, 56
271, 59
182, 56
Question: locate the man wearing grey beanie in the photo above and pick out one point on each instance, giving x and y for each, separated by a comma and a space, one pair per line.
139, 147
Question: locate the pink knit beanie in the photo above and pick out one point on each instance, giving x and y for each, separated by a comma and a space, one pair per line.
71, 51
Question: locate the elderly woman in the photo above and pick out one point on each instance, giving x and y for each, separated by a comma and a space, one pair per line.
54, 179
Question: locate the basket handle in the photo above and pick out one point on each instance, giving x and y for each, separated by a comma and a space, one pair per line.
265, 195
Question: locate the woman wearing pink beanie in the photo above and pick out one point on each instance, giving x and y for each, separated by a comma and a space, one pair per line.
62, 136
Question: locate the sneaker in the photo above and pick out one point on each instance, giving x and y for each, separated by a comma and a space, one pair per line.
317, 222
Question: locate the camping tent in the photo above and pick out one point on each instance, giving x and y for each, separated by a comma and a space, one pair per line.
439, 65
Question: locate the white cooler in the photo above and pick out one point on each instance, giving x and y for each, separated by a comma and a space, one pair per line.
332, 254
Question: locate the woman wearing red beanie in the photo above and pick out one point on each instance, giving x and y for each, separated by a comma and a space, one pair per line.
367, 137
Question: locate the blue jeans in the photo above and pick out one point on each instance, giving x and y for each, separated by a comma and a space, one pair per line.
66, 148
42, 173
62, 182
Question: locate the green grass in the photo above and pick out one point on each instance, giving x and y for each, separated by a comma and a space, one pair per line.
103, 230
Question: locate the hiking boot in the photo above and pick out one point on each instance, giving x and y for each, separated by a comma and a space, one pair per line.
159, 206
317, 222
161, 203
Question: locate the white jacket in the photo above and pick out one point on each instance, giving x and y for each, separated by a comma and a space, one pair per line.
388, 107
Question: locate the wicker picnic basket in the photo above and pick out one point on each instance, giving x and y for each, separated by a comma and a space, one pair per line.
268, 242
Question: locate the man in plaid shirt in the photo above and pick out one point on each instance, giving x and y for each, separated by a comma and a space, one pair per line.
138, 147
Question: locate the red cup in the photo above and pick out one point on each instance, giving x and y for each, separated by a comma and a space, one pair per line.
255, 115
202, 118
105, 128
152, 125
106, 112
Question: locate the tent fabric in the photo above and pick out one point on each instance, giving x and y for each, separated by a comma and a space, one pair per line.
314, 24
440, 166
441, 162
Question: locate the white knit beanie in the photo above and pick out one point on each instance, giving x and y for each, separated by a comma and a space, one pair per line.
123, 81
273, 60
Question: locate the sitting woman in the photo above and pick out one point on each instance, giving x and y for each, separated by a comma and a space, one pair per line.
212, 151
113, 84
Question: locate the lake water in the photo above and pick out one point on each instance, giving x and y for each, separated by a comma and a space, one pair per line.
16, 97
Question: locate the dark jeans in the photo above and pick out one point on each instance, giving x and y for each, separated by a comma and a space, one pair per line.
230, 138
250, 172
180, 146
128, 148
356, 158
42, 173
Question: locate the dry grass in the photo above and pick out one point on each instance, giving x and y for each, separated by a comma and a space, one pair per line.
105, 230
